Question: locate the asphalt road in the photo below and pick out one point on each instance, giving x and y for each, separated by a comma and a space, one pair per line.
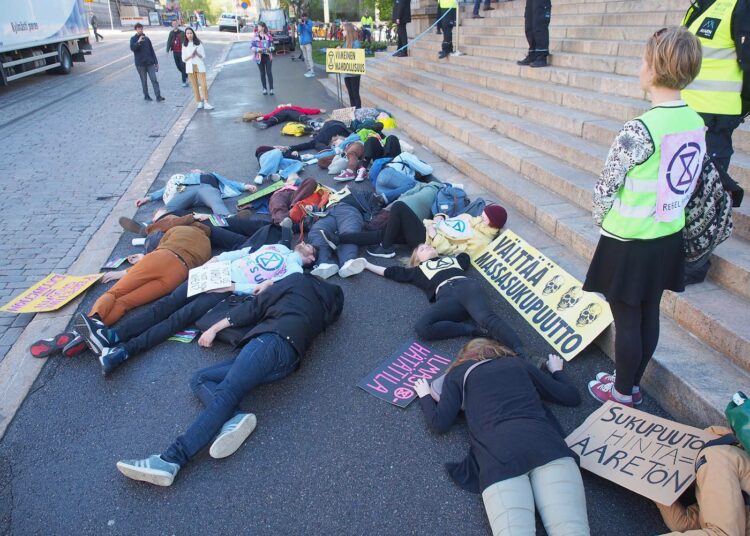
326, 458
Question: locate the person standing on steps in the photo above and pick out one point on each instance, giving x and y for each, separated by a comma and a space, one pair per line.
95, 27
262, 47
174, 44
487, 7
447, 24
536, 18
193, 55
401, 16
721, 91
304, 30
145, 61
639, 203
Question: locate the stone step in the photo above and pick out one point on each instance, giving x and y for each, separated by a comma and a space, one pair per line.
548, 86
689, 379
503, 9
554, 160
632, 49
728, 335
654, 19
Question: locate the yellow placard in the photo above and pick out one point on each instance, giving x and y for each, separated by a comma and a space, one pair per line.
50, 293
345, 60
548, 297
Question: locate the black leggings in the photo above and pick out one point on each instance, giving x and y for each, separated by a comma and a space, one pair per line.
284, 115
352, 86
636, 335
324, 136
265, 71
459, 300
404, 227
374, 149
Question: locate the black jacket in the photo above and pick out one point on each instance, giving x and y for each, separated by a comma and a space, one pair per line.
298, 308
430, 274
401, 11
171, 36
143, 52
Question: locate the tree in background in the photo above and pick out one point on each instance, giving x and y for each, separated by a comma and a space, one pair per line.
385, 7
188, 7
296, 6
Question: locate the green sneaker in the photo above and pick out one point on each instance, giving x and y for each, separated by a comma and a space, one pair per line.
232, 435
153, 470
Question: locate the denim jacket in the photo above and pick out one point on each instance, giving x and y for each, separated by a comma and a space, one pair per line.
228, 187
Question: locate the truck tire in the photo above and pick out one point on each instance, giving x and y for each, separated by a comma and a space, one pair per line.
65, 59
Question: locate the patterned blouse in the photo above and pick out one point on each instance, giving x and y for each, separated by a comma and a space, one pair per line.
262, 45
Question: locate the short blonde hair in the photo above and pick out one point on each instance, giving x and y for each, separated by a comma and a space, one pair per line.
675, 56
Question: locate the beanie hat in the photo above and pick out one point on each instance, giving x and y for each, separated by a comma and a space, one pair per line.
497, 216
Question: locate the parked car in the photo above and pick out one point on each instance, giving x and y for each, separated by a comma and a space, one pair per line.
230, 21
278, 24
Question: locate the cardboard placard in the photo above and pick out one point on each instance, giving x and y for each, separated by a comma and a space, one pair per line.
115, 263
651, 456
345, 115
345, 60
546, 296
268, 190
209, 277
50, 293
393, 379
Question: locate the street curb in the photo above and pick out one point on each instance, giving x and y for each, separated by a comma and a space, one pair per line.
19, 370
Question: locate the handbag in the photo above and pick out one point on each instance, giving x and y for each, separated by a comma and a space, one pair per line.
738, 417
436, 387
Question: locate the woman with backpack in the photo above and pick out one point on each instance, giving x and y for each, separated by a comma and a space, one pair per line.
457, 298
262, 47
518, 458
193, 54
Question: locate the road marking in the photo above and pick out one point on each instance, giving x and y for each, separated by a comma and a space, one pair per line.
115, 61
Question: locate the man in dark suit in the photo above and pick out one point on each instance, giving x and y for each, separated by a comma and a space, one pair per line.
401, 16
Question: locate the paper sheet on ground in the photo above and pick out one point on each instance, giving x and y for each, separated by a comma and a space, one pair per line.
546, 296
345, 115
115, 262
50, 293
651, 456
208, 277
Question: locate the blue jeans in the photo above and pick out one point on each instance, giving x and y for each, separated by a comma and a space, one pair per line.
266, 358
477, 3
392, 183
274, 162
197, 195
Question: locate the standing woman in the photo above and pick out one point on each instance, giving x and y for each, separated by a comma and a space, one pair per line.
193, 55
262, 46
352, 80
639, 201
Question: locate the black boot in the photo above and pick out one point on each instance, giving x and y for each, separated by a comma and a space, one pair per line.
445, 52
539, 61
530, 57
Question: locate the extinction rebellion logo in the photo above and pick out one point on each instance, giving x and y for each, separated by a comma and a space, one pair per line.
684, 168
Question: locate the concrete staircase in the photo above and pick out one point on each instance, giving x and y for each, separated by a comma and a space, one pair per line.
538, 138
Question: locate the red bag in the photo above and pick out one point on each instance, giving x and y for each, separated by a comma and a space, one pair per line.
317, 200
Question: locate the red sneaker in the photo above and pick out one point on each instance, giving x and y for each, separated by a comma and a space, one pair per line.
603, 392
606, 377
75, 346
47, 347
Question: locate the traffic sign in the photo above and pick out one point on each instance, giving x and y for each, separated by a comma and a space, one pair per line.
244, 5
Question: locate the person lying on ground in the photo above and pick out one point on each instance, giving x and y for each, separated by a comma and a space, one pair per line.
322, 139
457, 298
518, 459
185, 191
400, 175
252, 272
722, 480
359, 154
153, 275
282, 322
283, 114
345, 213
275, 161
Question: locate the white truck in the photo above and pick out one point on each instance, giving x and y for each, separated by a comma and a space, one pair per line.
41, 35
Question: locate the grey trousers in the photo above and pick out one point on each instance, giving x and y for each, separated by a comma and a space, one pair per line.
143, 70
198, 195
341, 218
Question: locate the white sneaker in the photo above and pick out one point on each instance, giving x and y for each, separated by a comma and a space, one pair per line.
324, 271
258, 180
234, 432
270, 91
306, 157
200, 105
352, 267
208, 106
310, 74
264, 92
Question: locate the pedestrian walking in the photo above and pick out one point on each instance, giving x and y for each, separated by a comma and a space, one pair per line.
193, 55
537, 17
487, 7
448, 22
174, 44
262, 47
145, 62
639, 205
401, 16
95, 27
304, 30
352, 80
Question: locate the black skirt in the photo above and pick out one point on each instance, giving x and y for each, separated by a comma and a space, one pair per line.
635, 271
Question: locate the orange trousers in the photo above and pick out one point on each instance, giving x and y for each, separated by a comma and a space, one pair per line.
156, 275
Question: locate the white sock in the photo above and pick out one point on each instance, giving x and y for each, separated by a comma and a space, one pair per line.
619, 397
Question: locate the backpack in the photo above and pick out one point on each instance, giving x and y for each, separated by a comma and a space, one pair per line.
296, 129
450, 200
317, 200
476, 207
377, 167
